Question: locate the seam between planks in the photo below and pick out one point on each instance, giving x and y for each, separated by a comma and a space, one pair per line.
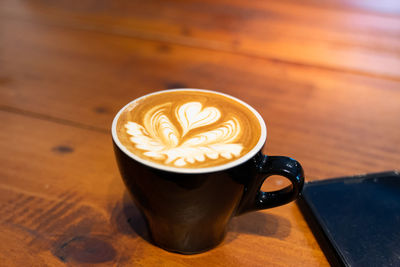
46, 117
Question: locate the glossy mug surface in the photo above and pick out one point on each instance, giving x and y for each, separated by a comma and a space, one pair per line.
191, 160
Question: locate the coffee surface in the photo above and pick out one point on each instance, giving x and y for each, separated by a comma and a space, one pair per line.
188, 129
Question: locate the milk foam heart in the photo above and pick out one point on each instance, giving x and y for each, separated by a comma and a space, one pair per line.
192, 115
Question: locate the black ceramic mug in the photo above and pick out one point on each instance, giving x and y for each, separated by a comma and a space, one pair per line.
188, 210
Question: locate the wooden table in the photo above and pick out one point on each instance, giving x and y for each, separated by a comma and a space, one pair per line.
324, 75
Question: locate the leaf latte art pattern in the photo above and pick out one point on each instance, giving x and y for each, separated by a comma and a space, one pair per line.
162, 140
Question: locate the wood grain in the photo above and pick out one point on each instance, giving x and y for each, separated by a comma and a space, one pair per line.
324, 75
316, 35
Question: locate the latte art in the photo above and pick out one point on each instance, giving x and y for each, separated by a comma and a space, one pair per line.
191, 115
161, 140
188, 128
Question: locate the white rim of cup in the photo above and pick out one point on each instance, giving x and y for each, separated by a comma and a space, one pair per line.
234, 163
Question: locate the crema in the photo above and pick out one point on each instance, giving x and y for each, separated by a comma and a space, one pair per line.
188, 128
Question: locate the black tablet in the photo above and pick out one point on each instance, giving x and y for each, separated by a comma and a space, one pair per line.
356, 220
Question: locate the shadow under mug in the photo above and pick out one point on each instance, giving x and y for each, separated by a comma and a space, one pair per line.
189, 212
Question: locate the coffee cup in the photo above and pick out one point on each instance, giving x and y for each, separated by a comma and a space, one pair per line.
191, 160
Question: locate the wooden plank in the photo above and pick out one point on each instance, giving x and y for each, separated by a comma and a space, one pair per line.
336, 123
316, 35
62, 200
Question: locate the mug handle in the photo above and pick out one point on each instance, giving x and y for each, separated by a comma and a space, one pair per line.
255, 199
